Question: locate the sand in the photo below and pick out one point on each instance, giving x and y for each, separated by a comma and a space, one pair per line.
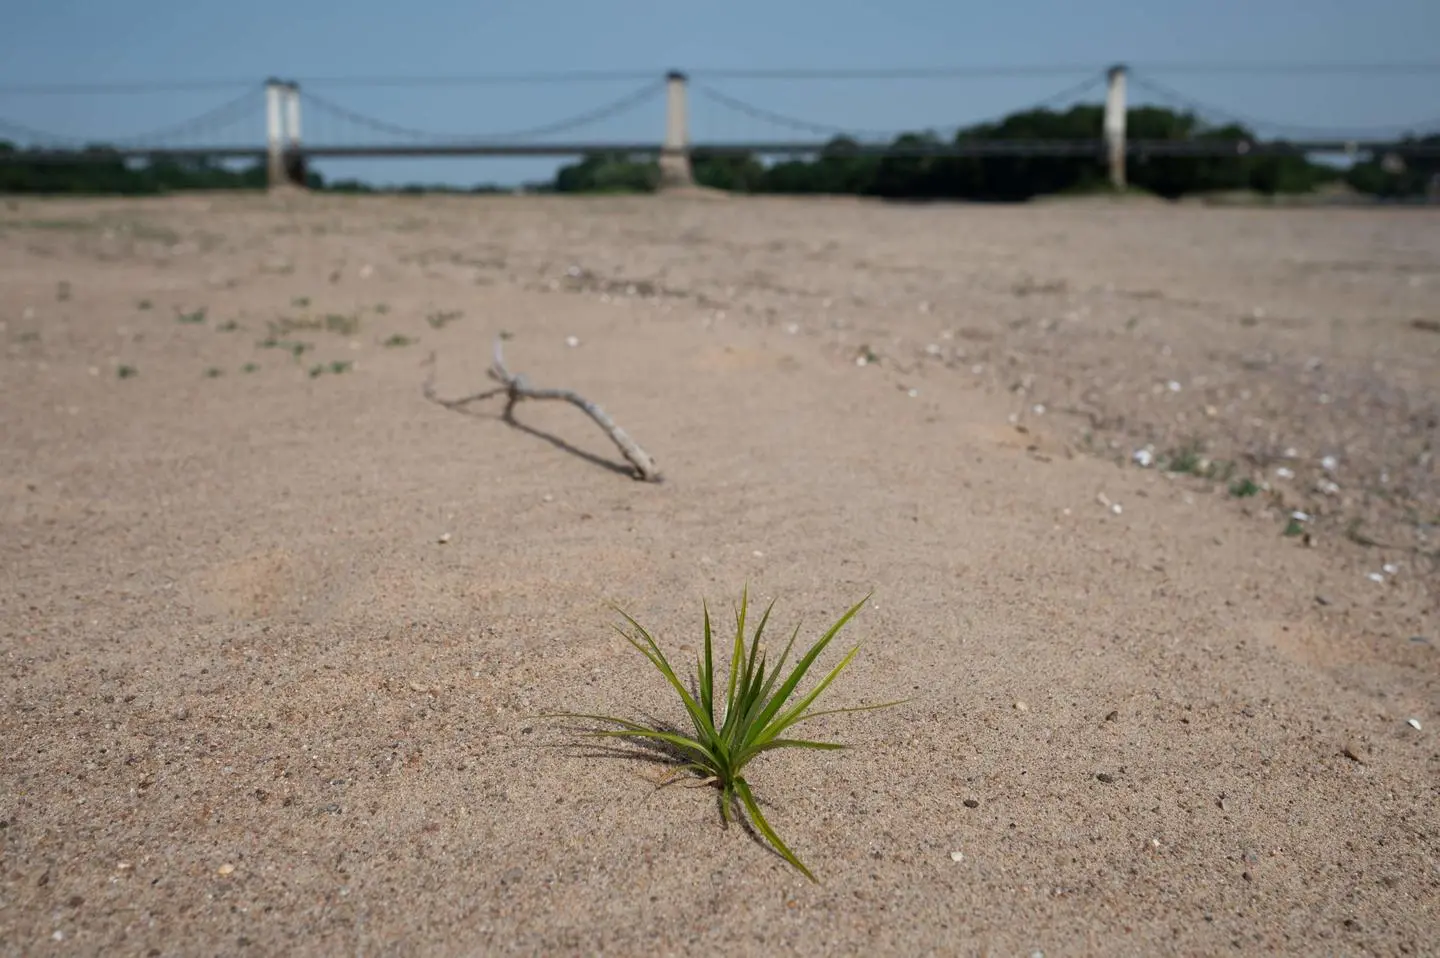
253, 704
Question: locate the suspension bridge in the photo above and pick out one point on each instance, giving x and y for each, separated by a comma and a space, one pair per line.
263, 123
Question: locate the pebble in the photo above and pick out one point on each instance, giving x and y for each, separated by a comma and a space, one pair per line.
1375, 577
1106, 778
444, 538
957, 856
572, 341
1413, 723
1144, 458
1021, 707
225, 869
1354, 752
975, 802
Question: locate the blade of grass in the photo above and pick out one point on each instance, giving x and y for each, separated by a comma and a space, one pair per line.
801, 667
703, 725
743, 790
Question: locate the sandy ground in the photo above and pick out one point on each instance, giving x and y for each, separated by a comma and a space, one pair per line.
254, 705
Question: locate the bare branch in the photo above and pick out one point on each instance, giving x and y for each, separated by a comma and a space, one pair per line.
515, 388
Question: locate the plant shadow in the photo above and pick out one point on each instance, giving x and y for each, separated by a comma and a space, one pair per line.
665, 754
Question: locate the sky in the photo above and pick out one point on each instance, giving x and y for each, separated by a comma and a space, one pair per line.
329, 48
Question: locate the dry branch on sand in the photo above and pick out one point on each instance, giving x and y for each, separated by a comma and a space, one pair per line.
515, 388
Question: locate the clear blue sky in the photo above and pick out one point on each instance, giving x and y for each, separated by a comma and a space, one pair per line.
118, 41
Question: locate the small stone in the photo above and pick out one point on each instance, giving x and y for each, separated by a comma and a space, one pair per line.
1021, 707
1354, 752
1413, 723
572, 341
1112, 716
972, 803
225, 869
444, 538
1247, 876
1106, 778
957, 856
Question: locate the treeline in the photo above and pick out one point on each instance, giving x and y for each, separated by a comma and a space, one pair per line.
838, 169
100, 171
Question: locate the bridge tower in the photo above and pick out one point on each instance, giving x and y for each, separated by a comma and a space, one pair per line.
1115, 112
675, 168
285, 165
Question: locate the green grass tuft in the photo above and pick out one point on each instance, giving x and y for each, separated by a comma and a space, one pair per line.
744, 716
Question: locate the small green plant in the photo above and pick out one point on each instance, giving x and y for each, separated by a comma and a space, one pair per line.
337, 367
1188, 460
442, 318
1244, 488
214, 372
754, 712
398, 340
192, 318
144, 304
293, 347
126, 372
300, 302
249, 367
342, 324
229, 326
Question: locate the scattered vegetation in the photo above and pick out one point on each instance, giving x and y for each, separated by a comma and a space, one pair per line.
195, 317
755, 710
340, 323
442, 318
229, 326
1188, 459
295, 347
126, 372
300, 302
336, 367
398, 340
1244, 488
214, 372
144, 304
249, 367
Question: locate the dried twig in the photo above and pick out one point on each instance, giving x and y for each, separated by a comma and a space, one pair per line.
515, 388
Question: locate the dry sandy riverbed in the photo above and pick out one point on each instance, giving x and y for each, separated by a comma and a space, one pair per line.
253, 705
